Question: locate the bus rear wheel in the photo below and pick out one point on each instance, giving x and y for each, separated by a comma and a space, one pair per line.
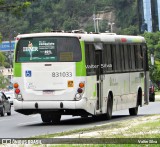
46, 118
133, 111
56, 118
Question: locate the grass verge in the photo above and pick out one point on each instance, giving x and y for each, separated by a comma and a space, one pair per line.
140, 130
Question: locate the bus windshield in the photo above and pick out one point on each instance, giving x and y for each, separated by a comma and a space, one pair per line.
48, 49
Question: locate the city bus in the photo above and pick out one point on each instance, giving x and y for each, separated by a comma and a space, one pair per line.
79, 74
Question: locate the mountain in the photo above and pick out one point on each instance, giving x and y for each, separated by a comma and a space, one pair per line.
47, 15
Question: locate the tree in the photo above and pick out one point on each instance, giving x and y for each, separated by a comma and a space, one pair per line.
153, 44
4, 82
0, 37
2, 59
131, 30
14, 6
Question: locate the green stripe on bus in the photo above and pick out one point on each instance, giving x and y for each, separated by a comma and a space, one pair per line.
17, 69
80, 66
95, 90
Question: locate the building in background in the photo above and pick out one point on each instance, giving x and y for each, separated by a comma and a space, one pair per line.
7, 47
149, 15
7, 73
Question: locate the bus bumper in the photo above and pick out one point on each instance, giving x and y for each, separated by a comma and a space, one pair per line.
30, 107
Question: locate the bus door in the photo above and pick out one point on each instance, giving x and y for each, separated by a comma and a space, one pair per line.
99, 74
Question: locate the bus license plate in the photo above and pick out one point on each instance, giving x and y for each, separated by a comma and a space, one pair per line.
48, 92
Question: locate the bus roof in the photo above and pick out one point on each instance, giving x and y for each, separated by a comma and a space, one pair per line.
102, 37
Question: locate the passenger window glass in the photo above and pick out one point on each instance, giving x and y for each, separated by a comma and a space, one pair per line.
107, 56
113, 50
126, 57
132, 58
90, 59
118, 60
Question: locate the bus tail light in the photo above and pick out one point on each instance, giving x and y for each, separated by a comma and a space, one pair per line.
17, 91
80, 90
15, 85
81, 85
17, 38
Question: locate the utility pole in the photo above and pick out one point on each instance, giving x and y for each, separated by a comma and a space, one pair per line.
97, 19
94, 19
111, 25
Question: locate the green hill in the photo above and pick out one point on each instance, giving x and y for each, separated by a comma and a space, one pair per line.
47, 15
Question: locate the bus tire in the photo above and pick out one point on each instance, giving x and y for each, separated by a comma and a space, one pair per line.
45, 118
133, 111
109, 108
56, 118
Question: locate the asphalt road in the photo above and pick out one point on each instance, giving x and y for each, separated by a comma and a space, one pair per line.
21, 126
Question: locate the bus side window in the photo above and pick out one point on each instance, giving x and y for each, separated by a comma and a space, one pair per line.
122, 57
118, 58
132, 55
90, 59
140, 57
107, 58
126, 57
113, 52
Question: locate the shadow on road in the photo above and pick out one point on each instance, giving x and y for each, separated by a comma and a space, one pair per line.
86, 120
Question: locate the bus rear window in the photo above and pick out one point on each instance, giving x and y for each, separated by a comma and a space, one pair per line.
48, 49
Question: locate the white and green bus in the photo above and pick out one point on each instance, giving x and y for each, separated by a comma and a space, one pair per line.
79, 74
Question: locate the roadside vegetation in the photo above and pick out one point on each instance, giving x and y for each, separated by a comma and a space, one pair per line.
131, 131
138, 127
